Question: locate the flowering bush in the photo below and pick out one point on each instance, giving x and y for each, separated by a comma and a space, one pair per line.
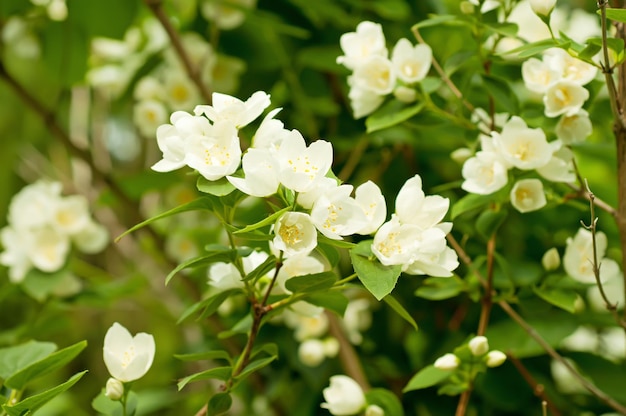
346, 208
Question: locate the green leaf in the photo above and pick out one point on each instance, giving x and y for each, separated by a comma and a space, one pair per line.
218, 373
619, 15
335, 243
396, 306
503, 94
388, 401
14, 359
65, 50
329, 252
54, 361
561, 298
427, 377
489, 221
470, 202
32, 403
439, 288
219, 254
261, 270
269, 348
376, 277
311, 282
590, 51
391, 113
256, 365
453, 389
209, 305
219, 404
204, 203
333, 301
220, 187
95, 16
207, 355
241, 327
534, 48
264, 222
436, 20
503, 28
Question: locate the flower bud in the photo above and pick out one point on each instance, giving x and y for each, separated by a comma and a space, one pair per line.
551, 260
478, 345
461, 154
331, 347
114, 389
311, 352
495, 358
542, 7
344, 396
467, 7
447, 361
374, 410
405, 94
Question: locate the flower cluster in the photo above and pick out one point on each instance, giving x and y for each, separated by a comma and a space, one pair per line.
526, 149
43, 225
375, 74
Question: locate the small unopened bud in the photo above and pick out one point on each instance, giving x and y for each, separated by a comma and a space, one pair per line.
478, 345
374, 410
495, 358
467, 7
114, 389
447, 361
542, 7
461, 154
331, 347
311, 352
551, 259
405, 94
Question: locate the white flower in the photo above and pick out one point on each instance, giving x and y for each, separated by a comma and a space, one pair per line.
261, 173
478, 345
114, 389
578, 257
542, 7
613, 286
298, 265
575, 128
214, 156
226, 14
126, 357
564, 97
527, 195
484, 174
551, 259
560, 168
414, 207
148, 115
357, 318
70, 214
367, 41
495, 358
180, 92
571, 68
92, 239
30, 207
584, 338
539, 75
376, 74
311, 352
295, 234
363, 102
171, 139
369, 196
447, 361
522, 147
343, 397
15, 254
224, 276
149, 88
48, 249
226, 108
270, 133
300, 166
396, 243
437, 261
336, 214
321, 186
411, 63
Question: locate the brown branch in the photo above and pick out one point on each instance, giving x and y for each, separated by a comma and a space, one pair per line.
536, 336
537, 388
193, 71
347, 354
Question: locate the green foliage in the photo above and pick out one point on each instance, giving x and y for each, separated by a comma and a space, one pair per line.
376, 277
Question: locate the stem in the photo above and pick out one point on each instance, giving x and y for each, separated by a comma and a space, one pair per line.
347, 354
538, 389
193, 72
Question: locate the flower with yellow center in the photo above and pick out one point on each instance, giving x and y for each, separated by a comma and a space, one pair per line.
295, 234
126, 357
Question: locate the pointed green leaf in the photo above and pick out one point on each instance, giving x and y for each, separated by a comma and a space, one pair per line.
489, 221
217, 373
204, 203
388, 401
560, 297
256, 365
32, 403
311, 282
470, 202
397, 306
332, 300
222, 254
376, 277
335, 243
436, 20
269, 348
534, 48
264, 222
220, 187
619, 15
427, 377
209, 305
14, 359
504, 96
261, 270
241, 327
439, 288
219, 404
54, 361
391, 113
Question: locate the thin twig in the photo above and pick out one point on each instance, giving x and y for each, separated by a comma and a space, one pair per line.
535, 335
347, 354
538, 389
193, 71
